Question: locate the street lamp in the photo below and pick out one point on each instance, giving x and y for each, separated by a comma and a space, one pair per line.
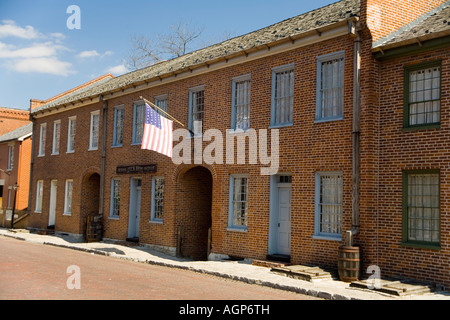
15, 187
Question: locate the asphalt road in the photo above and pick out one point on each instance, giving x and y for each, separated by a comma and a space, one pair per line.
31, 271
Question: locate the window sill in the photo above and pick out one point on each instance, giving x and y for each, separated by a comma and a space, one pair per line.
237, 229
37, 211
327, 237
156, 221
328, 120
422, 127
283, 125
70, 151
421, 245
67, 214
55, 154
92, 149
41, 155
136, 144
113, 217
117, 146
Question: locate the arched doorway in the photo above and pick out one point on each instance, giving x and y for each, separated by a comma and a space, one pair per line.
193, 212
90, 198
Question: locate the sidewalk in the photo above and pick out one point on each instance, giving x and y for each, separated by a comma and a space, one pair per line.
240, 271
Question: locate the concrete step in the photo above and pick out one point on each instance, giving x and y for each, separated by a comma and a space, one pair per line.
304, 272
396, 287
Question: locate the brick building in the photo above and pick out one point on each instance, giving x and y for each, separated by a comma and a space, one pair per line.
324, 87
15, 158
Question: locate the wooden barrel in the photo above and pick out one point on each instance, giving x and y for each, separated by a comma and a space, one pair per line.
348, 263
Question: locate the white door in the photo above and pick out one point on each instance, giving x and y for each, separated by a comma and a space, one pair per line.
284, 220
52, 211
135, 208
138, 210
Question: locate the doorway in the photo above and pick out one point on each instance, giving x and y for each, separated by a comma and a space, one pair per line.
280, 215
135, 209
193, 210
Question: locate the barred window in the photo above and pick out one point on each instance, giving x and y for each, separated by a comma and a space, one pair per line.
239, 201
328, 204
56, 136
118, 126
138, 122
157, 199
423, 95
283, 95
94, 132
241, 103
115, 198
71, 134
422, 205
39, 195
161, 103
330, 86
68, 197
42, 139
197, 107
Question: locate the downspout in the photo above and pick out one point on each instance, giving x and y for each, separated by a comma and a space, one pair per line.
356, 131
102, 168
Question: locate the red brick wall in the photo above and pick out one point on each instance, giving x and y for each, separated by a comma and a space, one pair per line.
305, 148
386, 16
411, 150
11, 119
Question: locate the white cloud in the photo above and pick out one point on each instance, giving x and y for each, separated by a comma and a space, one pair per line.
36, 50
43, 65
88, 54
93, 53
117, 70
10, 29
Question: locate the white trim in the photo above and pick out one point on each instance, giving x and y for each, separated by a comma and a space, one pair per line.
39, 196
231, 226
66, 212
69, 134
42, 139
56, 140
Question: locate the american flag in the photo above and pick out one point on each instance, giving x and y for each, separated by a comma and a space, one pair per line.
158, 132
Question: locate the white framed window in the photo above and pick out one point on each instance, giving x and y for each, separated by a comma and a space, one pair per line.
138, 122
94, 130
56, 136
161, 102
115, 198
282, 111
330, 87
68, 197
238, 202
42, 139
10, 156
328, 205
39, 195
196, 109
119, 112
240, 100
157, 199
71, 131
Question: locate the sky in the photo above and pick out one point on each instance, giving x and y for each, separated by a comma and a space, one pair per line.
49, 46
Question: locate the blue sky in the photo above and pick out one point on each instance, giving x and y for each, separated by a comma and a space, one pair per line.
41, 57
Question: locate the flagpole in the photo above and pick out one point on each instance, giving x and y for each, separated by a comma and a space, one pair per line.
171, 117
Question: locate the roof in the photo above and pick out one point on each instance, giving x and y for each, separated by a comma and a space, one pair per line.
283, 31
18, 134
432, 25
77, 90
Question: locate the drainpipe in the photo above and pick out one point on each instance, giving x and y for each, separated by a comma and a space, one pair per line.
102, 169
356, 131
30, 182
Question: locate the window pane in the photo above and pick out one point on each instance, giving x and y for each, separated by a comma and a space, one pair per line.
424, 96
115, 201
331, 104
242, 104
118, 126
240, 206
330, 204
139, 119
423, 207
71, 135
95, 119
158, 198
284, 97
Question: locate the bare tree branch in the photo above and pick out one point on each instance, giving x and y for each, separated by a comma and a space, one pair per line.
146, 52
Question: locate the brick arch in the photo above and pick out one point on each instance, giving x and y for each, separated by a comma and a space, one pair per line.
193, 210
